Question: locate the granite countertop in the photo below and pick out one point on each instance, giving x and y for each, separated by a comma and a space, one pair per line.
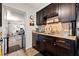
57, 35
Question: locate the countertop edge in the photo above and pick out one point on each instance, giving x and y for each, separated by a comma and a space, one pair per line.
60, 36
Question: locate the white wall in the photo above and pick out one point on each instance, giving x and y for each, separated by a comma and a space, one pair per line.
29, 11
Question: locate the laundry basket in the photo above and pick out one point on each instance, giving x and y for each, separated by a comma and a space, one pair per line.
0, 50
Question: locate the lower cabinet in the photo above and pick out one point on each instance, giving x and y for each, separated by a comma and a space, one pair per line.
34, 38
58, 50
41, 46
55, 46
40, 43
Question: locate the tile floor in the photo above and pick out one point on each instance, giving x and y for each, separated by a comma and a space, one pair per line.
17, 53
31, 52
28, 52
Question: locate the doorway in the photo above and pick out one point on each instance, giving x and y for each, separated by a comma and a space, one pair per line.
15, 41
15, 22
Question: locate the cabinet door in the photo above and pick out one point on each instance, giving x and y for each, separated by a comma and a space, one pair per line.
77, 11
60, 47
56, 50
45, 12
38, 18
51, 10
66, 12
40, 43
41, 17
34, 38
40, 46
50, 46
62, 51
0, 14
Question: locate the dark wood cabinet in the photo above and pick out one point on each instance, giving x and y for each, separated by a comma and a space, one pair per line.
67, 12
40, 43
47, 12
52, 10
60, 47
57, 50
77, 12
40, 18
0, 14
34, 38
55, 46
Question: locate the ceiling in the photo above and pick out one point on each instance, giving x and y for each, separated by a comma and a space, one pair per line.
37, 6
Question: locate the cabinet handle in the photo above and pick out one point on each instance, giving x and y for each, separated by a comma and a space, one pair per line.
60, 41
44, 40
54, 44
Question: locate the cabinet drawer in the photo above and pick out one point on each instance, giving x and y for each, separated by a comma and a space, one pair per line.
40, 46
63, 43
58, 50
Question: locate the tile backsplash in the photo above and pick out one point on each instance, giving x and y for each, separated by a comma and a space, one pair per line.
54, 28
41, 28
67, 28
57, 28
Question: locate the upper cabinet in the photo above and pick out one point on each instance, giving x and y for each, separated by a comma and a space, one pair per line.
47, 12
40, 18
51, 10
77, 9
66, 12
0, 14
